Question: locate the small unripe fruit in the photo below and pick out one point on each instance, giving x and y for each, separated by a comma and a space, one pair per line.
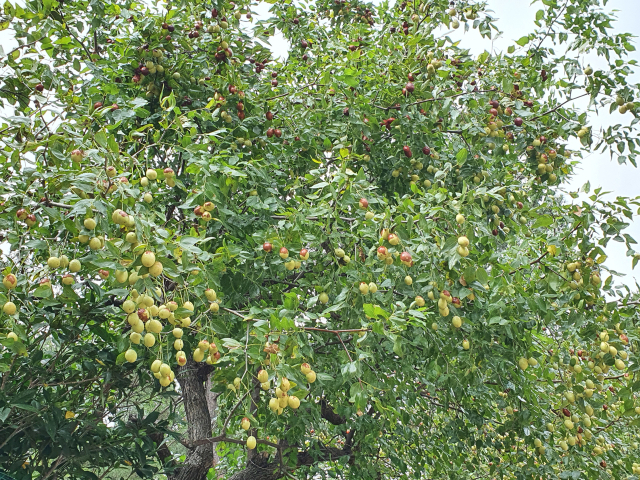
10, 308
130, 355
155, 270
148, 258
245, 424
10, 281
251, 442
523, 363
76, 155
53, 262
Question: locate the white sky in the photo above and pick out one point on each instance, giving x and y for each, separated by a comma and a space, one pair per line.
515, 20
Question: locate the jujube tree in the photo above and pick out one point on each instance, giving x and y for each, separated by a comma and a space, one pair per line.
359, 261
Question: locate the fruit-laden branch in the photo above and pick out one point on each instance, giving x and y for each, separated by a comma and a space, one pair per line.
435, 99
539, 259
312, 218
326, 412
558, 107
223, 438
312, 329
263, 468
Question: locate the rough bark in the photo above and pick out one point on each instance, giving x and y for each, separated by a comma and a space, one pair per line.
326, 412
199, 460
162, 450
260, 468
263, 467
201, 407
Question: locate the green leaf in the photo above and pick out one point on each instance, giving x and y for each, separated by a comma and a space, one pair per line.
101, 139
461, 156
481, 276
543, 221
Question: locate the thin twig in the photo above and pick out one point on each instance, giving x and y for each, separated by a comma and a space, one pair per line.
539, 259
22, 46
558, 107
549, 29
435, 99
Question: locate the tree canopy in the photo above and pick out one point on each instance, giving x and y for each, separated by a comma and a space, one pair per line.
361, 261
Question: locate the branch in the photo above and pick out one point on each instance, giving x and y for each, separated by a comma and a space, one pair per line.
300, 88
49, 203
558, 107
322, 454
311, 218
326, 412
549, 29
22, 46
76, 38
223, 438
435, 99
313, 329
539, 259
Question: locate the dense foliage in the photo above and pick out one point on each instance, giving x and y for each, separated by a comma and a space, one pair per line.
359, 263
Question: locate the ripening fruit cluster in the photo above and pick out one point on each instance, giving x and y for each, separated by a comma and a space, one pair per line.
282, 399
525, 363
289, 263
28, 218
146, 321
463, 246
577, 269
587, 371
204, 211
443, 302
10, 281
366, 288
624, 107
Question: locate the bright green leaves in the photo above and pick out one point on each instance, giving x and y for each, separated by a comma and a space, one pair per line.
426, 379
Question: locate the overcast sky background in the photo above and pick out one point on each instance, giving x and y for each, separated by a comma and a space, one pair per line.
515, 19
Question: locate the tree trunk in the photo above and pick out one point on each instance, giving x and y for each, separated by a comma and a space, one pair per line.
260, 468
199, 460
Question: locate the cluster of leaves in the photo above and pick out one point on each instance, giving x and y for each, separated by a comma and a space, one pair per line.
454, 304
